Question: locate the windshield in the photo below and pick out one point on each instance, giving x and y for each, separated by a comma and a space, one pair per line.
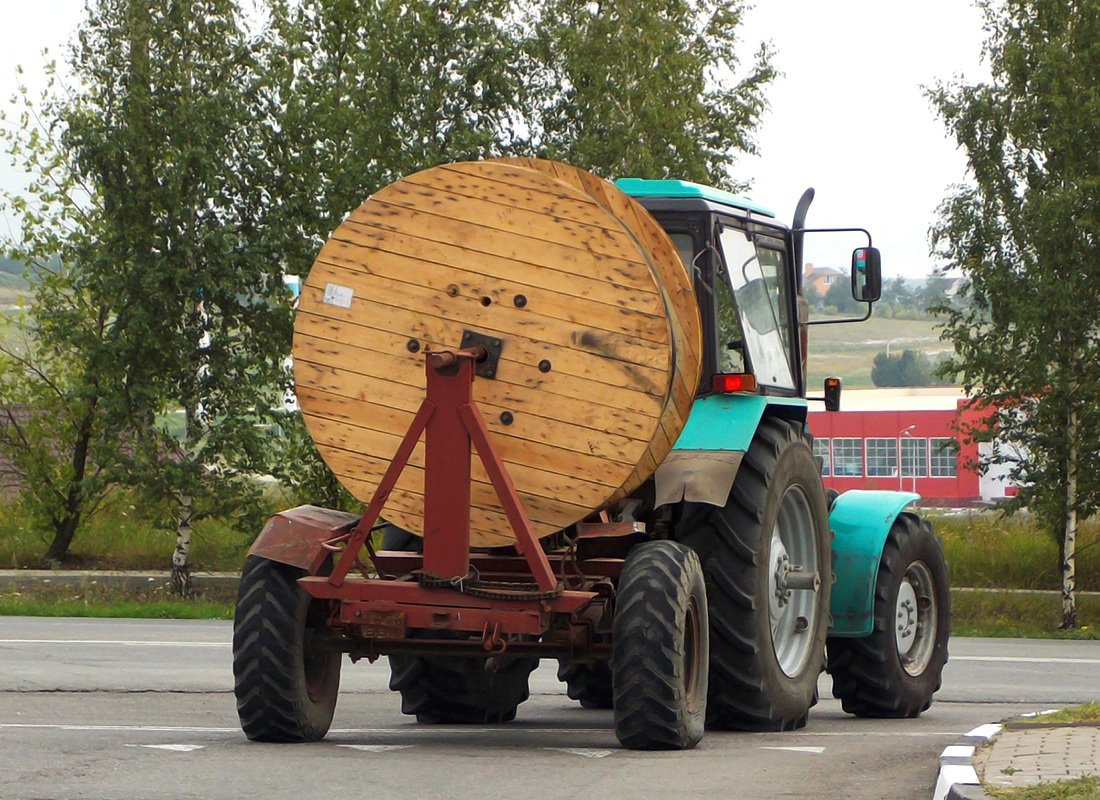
760, 308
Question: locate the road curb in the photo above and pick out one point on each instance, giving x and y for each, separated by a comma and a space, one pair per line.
958, 779
17, 578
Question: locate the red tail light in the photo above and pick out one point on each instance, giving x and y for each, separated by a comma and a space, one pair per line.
741, 382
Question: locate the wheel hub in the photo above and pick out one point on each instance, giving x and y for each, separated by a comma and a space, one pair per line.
915, 619
906, 618
793, 582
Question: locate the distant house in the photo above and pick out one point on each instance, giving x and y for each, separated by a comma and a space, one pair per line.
821, 278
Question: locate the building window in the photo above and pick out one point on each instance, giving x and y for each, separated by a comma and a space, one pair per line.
943, 457
848, 457
882, 457
821, 450
914, 458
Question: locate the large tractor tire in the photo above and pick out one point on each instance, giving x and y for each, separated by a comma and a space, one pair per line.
588, 683
895, 670
759, 551
447, 689
286, 686
460, 689
659, 651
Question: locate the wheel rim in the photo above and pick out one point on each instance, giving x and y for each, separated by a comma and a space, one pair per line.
692, 644
792, 603
915, 619
316, 661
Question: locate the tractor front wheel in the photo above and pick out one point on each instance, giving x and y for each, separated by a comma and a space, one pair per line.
286, 685
894, 671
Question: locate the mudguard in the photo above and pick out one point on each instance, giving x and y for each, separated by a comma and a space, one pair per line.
706, 456
860, 521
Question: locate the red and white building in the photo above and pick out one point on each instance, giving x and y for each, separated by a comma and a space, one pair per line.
904, 439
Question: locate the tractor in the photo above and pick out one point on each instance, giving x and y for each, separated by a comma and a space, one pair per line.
706, 584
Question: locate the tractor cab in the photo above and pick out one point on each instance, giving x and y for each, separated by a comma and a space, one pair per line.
747, 270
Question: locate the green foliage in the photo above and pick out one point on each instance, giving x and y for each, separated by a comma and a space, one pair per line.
1025, 233
91, 599
635, 89
839, 295
909, 368
993, 550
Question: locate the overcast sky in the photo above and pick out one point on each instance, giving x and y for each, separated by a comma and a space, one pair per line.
848, 116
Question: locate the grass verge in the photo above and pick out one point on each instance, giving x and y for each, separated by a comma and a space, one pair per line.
1086, 788
1088, 712
94, 600
991, 550
1020, 614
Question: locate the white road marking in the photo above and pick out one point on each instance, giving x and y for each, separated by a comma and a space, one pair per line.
177, 748
1027, 660
123, 642
432, 730
814, 750
583, 751
376, 748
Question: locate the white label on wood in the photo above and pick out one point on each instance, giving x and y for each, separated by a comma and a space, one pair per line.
336, 295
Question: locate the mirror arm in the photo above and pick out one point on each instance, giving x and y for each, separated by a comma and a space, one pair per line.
864, 318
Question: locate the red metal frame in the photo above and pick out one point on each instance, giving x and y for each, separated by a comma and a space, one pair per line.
450, 422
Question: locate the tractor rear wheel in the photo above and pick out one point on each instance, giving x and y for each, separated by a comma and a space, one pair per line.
589, 683
659, 649
767, 561
286, 686
460, 689
446, 689
894, 671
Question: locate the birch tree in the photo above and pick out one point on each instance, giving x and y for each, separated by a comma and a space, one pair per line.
1025, 231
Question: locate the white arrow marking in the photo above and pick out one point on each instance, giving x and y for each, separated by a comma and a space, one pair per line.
582, 751
814, 750
177, 748
376, 748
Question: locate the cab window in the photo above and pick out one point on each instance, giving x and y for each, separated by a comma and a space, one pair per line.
757, 282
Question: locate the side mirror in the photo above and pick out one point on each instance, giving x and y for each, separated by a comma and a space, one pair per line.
832, 394
866, 274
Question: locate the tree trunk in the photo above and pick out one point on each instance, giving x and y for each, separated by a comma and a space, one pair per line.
65, 528
1069, 540
181, 556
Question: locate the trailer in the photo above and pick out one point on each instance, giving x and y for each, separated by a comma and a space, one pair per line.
576, 415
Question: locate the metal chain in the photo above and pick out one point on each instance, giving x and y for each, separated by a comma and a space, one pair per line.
472, 585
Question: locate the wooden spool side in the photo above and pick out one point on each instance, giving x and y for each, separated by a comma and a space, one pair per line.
452, 248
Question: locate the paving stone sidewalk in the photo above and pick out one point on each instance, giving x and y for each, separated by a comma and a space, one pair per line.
1025, 755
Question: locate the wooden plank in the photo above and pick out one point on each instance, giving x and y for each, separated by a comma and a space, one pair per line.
545, 457
390, 279
517, 379
523, 426
502, 244
436, 322
579, 363
361, 388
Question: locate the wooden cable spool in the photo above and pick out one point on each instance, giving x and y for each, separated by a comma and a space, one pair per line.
595, 314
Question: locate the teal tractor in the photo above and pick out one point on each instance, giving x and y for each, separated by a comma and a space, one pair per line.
743, 489
711, 596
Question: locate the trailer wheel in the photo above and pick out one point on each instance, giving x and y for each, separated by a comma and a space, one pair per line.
659, 649
460, 689
759, 552
894, 671
589, 683
285, 685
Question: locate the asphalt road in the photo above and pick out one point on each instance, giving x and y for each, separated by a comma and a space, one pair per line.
143, 709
